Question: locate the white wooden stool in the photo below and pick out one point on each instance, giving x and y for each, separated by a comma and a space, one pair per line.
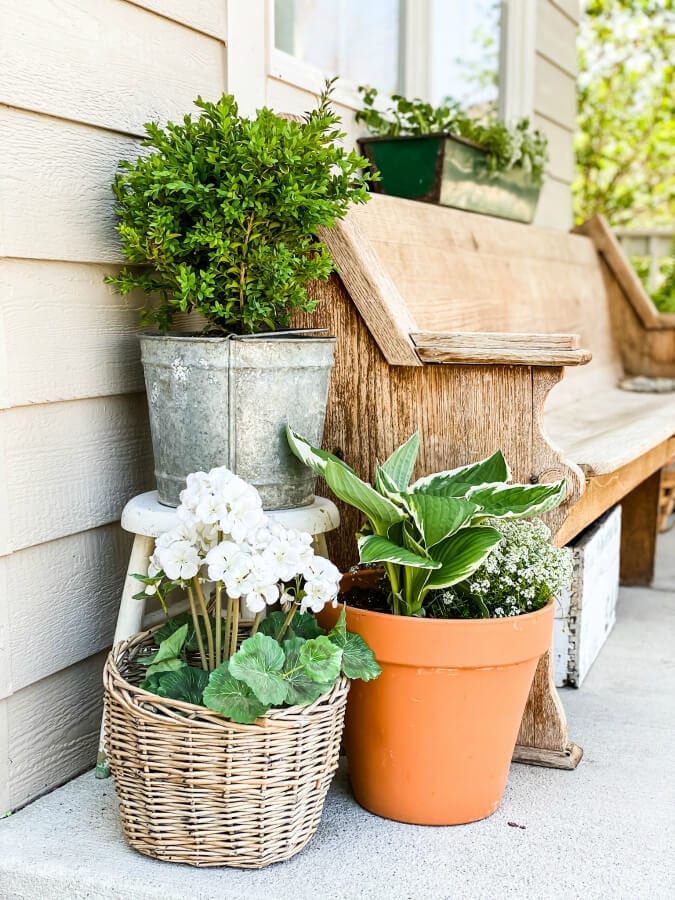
146, 518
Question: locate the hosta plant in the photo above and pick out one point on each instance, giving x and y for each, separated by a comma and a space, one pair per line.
436, 532
226, 552
221, 212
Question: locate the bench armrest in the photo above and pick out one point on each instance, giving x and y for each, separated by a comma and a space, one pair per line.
493, 348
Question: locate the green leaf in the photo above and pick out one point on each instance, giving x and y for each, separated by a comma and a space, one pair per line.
151, 683
338, 633
373, 548
305, 626
348, 487
314, 458
400, 465
258, 663
300, 688
516, 501
232, 698
166, 665
437, 517
461, 554
358, 660
186, 684
457, 482
321, 659
171, 646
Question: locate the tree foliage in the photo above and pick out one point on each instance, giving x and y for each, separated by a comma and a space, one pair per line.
626, 98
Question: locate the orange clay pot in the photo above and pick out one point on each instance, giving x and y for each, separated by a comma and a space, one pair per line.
430, 741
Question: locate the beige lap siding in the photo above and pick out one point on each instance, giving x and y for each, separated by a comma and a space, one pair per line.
77, 82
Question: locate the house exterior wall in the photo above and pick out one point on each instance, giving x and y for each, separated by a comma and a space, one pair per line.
77, 81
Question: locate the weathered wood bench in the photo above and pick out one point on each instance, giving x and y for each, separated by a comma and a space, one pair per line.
459, 325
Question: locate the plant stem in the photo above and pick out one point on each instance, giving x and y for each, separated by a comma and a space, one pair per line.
235, 628
287, 622
195, 623
256, 623
228, 629
219, 622
207, 622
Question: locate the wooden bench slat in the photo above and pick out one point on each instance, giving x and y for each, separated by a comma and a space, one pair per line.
486, 340
502, 356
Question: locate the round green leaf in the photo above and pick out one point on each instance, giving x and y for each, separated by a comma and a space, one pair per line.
230, 697
321, 659
258, 663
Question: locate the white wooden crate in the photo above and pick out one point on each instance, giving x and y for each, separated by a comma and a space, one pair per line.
585, 614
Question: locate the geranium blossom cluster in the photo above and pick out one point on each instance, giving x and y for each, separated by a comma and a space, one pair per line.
519, 576
225, 537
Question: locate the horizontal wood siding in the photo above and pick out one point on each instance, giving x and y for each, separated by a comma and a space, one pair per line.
77, 81
555, 105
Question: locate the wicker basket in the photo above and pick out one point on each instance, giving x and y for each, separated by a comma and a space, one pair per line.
196, 788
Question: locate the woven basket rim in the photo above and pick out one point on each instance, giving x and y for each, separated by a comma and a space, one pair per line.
287, 717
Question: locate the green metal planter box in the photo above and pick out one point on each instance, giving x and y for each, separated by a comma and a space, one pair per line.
445, 169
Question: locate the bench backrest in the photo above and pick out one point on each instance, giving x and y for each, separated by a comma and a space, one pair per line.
458, 271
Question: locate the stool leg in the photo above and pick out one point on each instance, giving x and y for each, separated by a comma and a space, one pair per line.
129, 620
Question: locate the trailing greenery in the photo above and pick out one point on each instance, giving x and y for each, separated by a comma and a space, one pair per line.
280, 665
506, 147
520, 576
222, 213
436, 532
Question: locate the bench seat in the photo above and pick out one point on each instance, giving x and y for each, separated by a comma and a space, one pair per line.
605, 430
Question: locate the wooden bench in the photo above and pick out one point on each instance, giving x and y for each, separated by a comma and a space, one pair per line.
459, 325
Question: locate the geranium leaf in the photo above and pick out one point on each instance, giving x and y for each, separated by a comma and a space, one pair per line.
461, 554
358, 660
258, 663
338, 633
166, 665
456, 482
186, 684
517, 501
171, 646
305, 626
232, 698
300, 688
321, 659
271, 624
373, 548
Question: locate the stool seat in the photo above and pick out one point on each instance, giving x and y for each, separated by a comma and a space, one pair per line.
145, 515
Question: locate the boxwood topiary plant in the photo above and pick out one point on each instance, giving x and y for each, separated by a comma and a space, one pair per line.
222, 214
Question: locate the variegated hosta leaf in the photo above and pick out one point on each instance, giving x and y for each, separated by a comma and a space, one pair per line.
517, 501
349, 487
461, 554
374, 548
399, 467
386, 486
312, 457
457, 482
437, 517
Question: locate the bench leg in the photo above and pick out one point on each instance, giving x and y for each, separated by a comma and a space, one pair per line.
639, 529
542, 739
129, 620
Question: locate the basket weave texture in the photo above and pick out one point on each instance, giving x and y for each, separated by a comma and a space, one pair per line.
196, 788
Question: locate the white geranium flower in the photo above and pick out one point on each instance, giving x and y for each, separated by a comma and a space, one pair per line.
179, 560
316, 595
210, 509
262, 596
323, 569
220, 558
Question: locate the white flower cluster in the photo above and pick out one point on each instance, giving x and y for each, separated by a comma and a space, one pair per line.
519, 576
225, 537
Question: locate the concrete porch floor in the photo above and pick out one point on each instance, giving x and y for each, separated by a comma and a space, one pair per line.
606, 830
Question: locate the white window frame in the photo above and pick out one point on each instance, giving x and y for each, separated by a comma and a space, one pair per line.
516, 59
289, 69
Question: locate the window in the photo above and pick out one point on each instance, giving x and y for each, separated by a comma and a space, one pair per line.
360, 41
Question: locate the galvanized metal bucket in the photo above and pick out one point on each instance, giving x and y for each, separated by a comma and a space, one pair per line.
225, 401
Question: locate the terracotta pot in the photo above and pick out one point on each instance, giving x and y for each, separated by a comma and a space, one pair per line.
430, 741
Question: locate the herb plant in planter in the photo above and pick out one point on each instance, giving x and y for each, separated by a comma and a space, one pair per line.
231, 728
445, 156
457, 604
219, 217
